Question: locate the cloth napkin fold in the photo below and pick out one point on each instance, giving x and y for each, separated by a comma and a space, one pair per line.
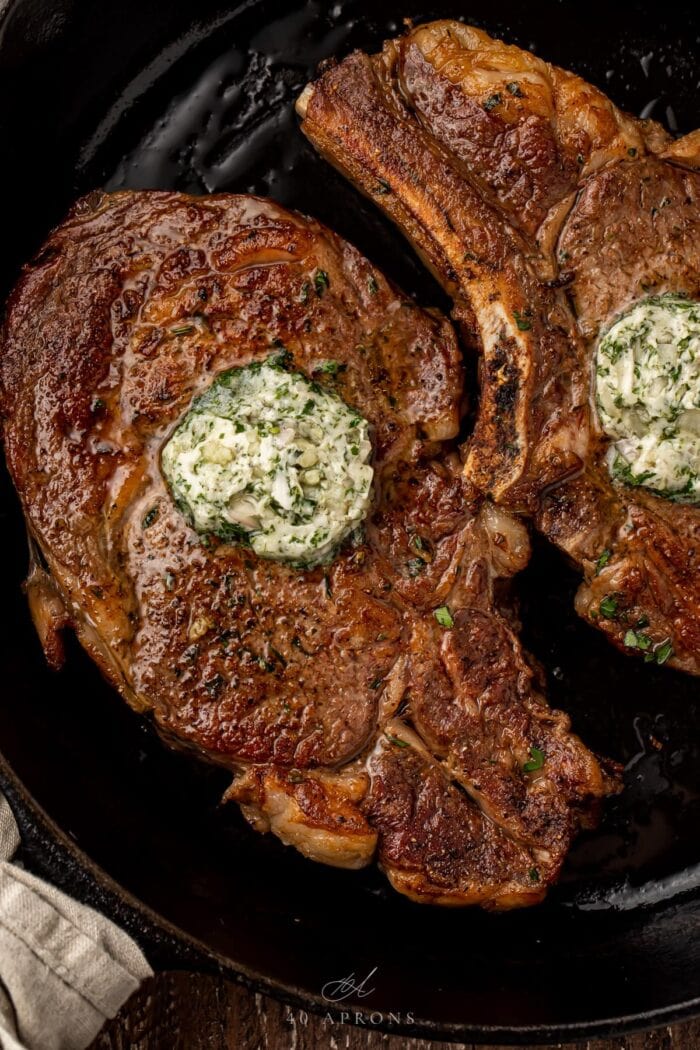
64, 968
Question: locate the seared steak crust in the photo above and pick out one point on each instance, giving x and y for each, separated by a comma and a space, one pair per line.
545, 212
352, 721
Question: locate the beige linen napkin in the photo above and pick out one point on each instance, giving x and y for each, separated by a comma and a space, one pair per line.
64, 968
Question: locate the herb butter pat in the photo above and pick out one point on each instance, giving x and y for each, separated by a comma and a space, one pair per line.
648, 396
268, 458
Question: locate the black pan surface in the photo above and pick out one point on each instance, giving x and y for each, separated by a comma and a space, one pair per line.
198, 97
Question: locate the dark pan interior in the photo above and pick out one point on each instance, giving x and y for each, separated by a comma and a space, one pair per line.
198, 97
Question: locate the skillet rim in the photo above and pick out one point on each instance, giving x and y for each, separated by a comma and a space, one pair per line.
167, 947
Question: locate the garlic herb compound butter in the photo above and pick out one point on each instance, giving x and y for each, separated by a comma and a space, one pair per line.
268, 458
648, 396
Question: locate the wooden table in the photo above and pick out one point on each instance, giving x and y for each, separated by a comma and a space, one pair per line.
181, 1011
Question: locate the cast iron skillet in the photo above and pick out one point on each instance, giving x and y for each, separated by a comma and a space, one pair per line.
198, 97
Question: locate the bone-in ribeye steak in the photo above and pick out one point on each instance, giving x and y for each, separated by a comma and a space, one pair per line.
354, 723
545, 212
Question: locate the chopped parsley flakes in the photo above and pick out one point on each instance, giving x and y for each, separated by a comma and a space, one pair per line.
603, 560
444, 617
321, 282
535, 762
608, 607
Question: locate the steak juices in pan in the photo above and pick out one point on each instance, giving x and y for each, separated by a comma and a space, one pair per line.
235, 446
